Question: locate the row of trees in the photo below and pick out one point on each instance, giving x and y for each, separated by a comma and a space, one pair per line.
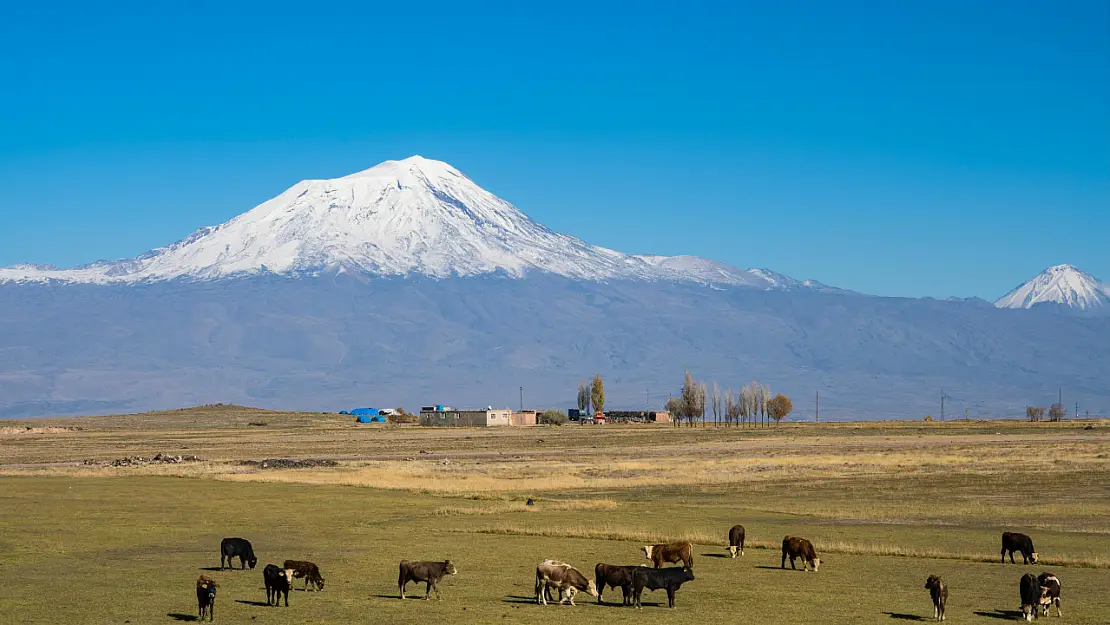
591, 395
753, 404
1036, 413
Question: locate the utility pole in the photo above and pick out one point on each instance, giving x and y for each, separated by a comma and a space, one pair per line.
942, 405
522, 399
1076, 410
817, 408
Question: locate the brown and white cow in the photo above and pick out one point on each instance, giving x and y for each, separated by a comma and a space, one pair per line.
567, 579
794, 547
1050, 593
736, 540
670, 552
308, 570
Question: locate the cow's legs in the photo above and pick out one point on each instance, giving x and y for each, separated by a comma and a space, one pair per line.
402, 585
670, 597
783, 560
428, 590
435, 587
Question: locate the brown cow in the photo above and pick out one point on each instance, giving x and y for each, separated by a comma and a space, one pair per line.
670, 552
308, 570
206, 598
736, 540
794, 547
569, 580
938, 591
428, 572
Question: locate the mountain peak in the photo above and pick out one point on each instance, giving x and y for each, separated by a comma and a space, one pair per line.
1065, 284
415, 216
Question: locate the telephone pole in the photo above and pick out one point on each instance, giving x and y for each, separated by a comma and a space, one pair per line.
817, 408
522, 399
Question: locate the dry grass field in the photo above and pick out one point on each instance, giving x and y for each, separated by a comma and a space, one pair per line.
886, 504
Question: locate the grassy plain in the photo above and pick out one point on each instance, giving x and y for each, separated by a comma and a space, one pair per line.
885, 505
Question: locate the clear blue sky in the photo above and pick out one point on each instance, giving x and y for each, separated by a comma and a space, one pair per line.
925, 147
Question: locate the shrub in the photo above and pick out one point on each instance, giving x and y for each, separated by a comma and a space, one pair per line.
551, 417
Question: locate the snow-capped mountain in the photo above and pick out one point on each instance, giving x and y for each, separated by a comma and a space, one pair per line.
1065, 285
411, 217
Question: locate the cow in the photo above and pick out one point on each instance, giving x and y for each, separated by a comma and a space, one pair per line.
670, 552
428, 572
1050, 593
670, 578
569, 580
736, 540
794, 547
1030, 596
308, 570
1012, 541
278, 582
206, 598
938, 590
237, 547
615, 576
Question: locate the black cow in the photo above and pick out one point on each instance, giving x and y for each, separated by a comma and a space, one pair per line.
278, 582
429, 572
1030, 596
736, 540
938, 590
237, 547
206, 598
1012, 541
670, 578
615, 576
1050, 593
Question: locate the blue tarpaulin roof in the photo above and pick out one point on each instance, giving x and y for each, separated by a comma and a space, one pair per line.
369, 411
369, 419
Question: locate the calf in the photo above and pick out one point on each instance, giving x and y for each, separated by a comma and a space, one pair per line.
794, 547
569, 581
206, 598
938, 590
278, 582
428, 572
736, 540
1050, 593
1030, 596
615, 576
670, 552
1012, 541
308, 570
237, 547
653, 579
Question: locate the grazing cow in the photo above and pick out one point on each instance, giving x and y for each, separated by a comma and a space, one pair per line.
736, 540
1030, 596
1050, 593
938, 590
670, 552
670, 578
615, 576
237, 547
794, 547
308, 570
206, 598
278, 582
569, 581
428, 572
1012, 541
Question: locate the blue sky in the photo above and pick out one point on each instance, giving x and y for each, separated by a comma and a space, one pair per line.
898, 148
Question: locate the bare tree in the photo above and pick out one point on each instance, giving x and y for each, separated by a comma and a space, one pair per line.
583, 398
732, 407
675, 407
747, 402
716, 397
702, 395
1056, 412
1034, 413
690, 396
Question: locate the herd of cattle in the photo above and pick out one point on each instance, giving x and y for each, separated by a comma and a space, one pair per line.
1038, 593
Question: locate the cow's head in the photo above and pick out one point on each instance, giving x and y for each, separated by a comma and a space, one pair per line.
448, 568
815, 563
288, 577
319, 581
591, 588
1033, 557
647, 549
251, 562
688, 573
932, 581
732, 550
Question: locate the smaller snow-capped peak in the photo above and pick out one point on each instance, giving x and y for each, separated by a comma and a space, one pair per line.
1065, 285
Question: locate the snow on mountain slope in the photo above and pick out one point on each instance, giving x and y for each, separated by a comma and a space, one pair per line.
414, 216
1062, 284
